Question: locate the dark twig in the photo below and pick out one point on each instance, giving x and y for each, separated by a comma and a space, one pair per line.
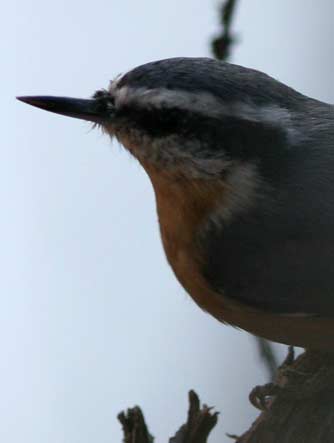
268, 356
221, 45
134, 426
200, 422
221, 49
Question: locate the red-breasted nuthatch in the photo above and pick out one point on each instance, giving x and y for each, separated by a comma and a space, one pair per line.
243, 171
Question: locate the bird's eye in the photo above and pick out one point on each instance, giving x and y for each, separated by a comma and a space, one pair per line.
101, 93
105, 102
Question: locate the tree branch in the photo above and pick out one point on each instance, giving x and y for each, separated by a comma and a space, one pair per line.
221, 45
200, 422
297, 408
268, 356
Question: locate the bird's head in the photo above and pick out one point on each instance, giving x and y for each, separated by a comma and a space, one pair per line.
195, 117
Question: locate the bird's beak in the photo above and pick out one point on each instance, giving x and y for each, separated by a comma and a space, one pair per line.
92, 110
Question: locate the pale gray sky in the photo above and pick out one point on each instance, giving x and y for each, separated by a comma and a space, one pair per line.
91, 319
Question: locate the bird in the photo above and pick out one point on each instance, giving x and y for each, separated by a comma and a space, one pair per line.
242, 168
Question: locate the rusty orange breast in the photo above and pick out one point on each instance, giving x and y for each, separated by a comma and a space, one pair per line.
183, 206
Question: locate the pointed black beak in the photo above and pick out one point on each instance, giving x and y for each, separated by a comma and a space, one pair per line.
93, 110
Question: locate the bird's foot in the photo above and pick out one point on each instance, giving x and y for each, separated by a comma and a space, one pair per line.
293, 381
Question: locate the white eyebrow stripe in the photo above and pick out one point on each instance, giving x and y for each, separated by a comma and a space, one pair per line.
206, 104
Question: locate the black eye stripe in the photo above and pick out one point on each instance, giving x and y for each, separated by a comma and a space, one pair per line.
234, 137
163, 122
159, 122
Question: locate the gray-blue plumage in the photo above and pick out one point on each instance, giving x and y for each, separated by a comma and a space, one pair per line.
224, 80
278, 255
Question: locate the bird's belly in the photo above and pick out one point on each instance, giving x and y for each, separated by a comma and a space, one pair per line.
298, 330
183, 208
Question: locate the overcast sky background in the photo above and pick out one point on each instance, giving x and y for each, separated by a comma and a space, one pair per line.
91, 318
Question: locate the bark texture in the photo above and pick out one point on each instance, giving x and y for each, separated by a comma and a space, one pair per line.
297, 408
